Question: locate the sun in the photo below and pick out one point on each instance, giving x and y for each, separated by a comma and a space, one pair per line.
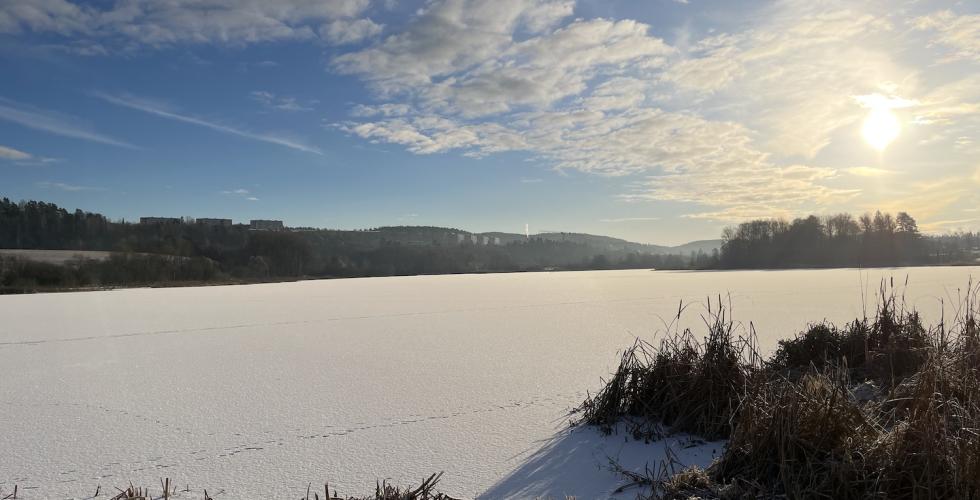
881, 127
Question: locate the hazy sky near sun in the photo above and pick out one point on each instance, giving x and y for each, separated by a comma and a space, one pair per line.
657, 120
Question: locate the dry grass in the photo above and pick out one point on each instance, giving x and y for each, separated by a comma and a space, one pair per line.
686, 384
168, 490
799, 430
888, 348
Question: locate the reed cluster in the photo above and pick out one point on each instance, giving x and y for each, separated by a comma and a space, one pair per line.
883, 407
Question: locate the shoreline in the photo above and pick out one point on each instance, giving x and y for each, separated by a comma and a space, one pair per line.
233, 282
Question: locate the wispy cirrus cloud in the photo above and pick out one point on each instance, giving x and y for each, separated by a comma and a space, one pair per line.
8, 153
55, 123
280, 103
632, 219
18, 157
163, 111
62, 186
241, 193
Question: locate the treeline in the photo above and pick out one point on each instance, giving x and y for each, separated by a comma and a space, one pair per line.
23, 275
842, 241
147, 254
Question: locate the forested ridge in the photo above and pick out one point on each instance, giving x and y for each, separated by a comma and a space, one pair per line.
188, 252
192, 252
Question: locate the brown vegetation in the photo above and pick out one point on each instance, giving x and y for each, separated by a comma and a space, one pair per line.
383, 491
882, 408
689, 385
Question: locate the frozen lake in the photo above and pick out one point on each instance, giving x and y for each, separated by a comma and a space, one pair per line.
257, 390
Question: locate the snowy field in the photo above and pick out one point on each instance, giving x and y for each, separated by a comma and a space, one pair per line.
253, 391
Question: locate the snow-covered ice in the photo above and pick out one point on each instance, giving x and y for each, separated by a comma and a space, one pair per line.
254, 391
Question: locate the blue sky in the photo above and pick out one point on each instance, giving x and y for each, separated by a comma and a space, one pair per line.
657, 121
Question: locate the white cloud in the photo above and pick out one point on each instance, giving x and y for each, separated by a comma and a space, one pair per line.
869, 171
386, 109
730, 123
791, 76
593, 96
736, 123
631, 219
879, 101
55, 123
959, 34
241, 193
348, 31
458, 46
173, 22
66, 187
8, 153
280, 103
163, 111
950, 225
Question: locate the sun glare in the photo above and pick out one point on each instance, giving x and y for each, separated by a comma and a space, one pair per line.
880, 128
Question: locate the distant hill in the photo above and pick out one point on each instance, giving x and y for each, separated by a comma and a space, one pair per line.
47, 246
427, 235
615, 244
706, 246
603, 242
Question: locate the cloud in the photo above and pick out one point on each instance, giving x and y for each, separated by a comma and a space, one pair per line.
477, 88
8, 153
157, 109
959, 34
386, 109
880, 101
18, 157
869, 171
730, 123
280, 103
465, 56
55, 123
631, 219
349, 31
950, 225
174, 22
531, 180
240, 193
739, 120
66, 187
791, 76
